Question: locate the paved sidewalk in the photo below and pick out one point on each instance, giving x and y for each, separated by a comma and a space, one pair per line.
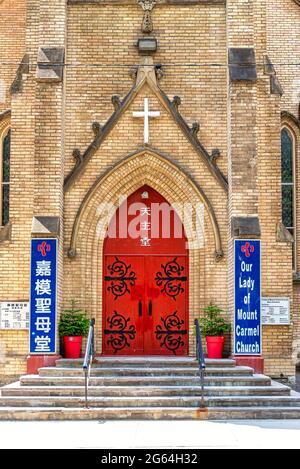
151, 434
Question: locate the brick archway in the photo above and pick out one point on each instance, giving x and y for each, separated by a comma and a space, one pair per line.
144, 167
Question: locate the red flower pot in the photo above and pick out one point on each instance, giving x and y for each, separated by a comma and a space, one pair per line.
214, 346
72, 346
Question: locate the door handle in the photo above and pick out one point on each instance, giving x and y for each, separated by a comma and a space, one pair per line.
150, 308
140, 309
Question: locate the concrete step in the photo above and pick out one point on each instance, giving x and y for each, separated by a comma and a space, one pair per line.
152, 401
155, 361
146, 413
144, 371
135, 391
254, 380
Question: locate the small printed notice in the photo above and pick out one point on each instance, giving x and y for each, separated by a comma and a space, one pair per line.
14, 315
275, 311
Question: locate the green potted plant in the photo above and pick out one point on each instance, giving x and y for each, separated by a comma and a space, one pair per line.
73, 325
213, 327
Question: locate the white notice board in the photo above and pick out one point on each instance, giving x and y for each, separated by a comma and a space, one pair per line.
14, 315
275, 311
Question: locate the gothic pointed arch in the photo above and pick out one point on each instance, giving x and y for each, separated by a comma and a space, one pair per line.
144, 166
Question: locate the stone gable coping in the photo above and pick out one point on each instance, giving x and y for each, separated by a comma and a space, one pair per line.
144, 75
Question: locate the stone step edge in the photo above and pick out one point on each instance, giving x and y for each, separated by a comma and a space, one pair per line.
157, 377
187, 399
273, 386
144, 413
148, 359
143, 368
148, 372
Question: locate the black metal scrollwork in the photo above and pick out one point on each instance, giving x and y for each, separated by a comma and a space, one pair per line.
120, 334
171, 278
171, 332
120, 278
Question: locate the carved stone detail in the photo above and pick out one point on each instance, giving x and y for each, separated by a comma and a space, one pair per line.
195, 129
159, 72
71, 253
96, 127
147, 6
133, 71
215, 154
116, 101
77, 155
219, 255
176, 102
147, 25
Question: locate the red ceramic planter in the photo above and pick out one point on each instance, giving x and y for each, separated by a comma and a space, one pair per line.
72, 346
214, 346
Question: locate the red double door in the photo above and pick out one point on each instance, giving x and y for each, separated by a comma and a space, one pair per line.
145, 281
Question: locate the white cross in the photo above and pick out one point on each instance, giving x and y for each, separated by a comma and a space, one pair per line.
146, 114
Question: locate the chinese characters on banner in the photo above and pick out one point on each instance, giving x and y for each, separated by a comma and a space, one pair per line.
247, 325
43, 296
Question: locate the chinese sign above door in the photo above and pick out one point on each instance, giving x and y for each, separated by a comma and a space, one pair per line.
43, 296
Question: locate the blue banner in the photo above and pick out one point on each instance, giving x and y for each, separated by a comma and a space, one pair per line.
43, 286
247, 325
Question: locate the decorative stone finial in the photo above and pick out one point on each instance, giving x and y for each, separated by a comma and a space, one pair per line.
147, 6
116, 101
195, 129
71, 253
176, 102
77, 156
219, 255
215, 154
159, 72
96, 127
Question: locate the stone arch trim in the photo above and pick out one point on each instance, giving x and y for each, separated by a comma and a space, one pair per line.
150, 166
289, 120
4, 121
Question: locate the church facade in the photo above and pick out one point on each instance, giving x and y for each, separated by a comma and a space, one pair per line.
146, 137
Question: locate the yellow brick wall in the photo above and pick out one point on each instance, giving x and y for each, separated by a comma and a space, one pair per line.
13, 344
283, 21
242, 120
13, 349
12, 44
203, 95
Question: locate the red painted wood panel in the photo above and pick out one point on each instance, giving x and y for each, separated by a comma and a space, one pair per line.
145, 285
